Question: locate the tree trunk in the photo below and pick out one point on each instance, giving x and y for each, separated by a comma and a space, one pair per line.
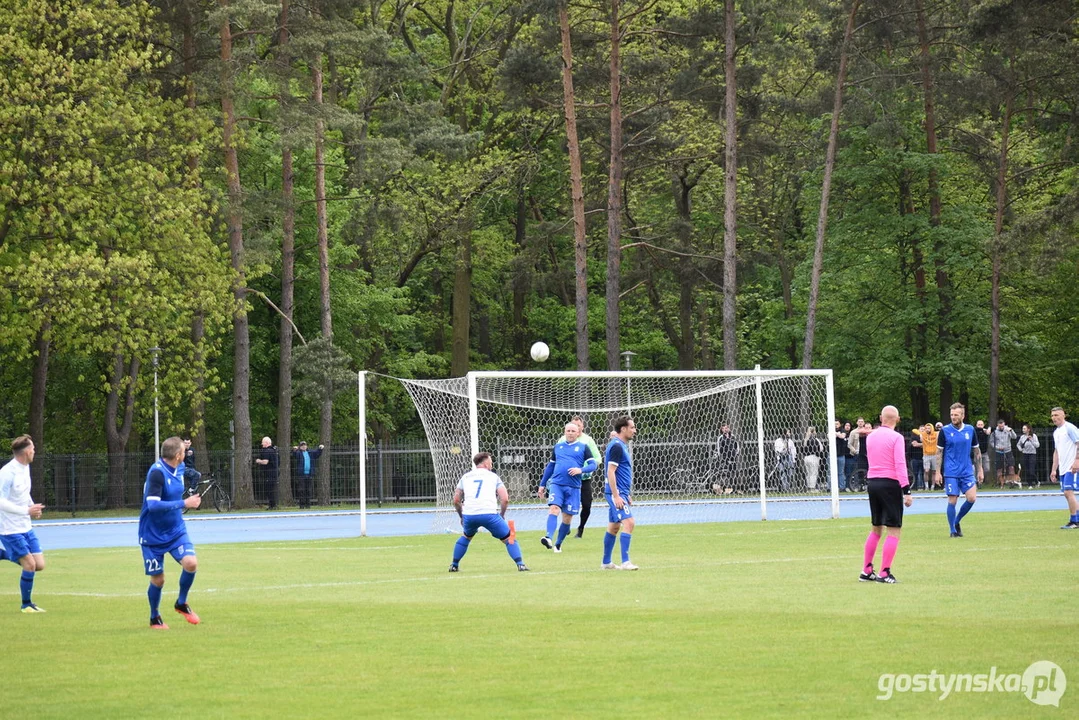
243, 494
325, 314
580, 240
462, 302
614, 196
996, 251
522, 276
38, 384
683, 339
826, 187
116, 437
730, 199
288, 275
943, 282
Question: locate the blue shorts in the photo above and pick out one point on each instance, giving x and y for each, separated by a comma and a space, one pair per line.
20, 544
958, 486
495, 524
1069, 481
153, 556
566, 497
615, 515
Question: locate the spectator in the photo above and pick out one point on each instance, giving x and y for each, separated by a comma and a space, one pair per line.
1002, 445
1028, 446
849, 461
841, 453
917, 462
303, 470
267, 462
931, 454
727, 459
190, 475
786, 454
857, 448
983, 434
813, 451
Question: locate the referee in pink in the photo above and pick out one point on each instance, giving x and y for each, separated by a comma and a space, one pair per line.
889, 493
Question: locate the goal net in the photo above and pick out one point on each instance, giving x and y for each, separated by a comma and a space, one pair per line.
771, 467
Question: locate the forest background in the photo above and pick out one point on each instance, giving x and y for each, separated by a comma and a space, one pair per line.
258, 198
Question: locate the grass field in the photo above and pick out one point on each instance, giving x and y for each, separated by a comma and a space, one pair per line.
725, 620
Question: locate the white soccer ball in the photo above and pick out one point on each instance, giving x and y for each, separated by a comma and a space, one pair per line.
540, 351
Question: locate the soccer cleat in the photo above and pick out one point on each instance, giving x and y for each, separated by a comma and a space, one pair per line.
870, 576
887, 577
32, 608
546, 542
954, 534
627, 565
156, 623
610, 566
958, 530
1070, 526
558, 548
453, 568
521, 567
189, 614
580, 532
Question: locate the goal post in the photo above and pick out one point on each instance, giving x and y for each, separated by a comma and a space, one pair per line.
773, 467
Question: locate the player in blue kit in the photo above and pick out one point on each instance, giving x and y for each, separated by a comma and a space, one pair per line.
162, 530
618, 492
958, 444
569, 460
481, 501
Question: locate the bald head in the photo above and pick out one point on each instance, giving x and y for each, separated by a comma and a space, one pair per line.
889, 416
572, 432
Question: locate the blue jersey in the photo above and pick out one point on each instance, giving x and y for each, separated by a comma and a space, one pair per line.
564, 457
957, 444
161, 522
618, 453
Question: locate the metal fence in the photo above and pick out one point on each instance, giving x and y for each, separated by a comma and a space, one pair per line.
399, 472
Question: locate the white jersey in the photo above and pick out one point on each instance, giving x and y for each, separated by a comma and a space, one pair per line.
15, 498
480, 487
1065, 438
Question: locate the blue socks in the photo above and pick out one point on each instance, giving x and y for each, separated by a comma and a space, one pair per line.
154, 593
608, 547
951, 517
552, 523
460, 549
967, 505
26, 584
625, 539
186, 578
563, 531
515, 552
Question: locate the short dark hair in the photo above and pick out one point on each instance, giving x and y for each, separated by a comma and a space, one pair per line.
172, 447
480, 457
21, 443
621, 422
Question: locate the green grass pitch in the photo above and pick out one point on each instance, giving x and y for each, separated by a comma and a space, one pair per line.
722, 620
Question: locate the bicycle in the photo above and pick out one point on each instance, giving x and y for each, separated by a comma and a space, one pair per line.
715, 479
212, 492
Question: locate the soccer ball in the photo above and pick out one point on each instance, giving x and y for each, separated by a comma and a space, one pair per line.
540, 351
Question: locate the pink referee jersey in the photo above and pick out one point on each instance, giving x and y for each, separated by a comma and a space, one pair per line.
886, 450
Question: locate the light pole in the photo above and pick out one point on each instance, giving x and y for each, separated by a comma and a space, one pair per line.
157, 427
627, 358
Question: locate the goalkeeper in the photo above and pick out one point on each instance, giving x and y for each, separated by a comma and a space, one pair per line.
586, 478
570, 460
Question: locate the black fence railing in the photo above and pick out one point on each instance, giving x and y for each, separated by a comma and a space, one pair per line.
400, 472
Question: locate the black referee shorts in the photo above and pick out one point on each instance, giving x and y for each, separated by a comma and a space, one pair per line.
885, 502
